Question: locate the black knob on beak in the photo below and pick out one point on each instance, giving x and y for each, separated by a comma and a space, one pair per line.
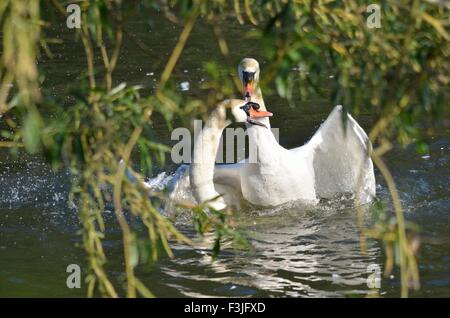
255, 106
246, 109
248, 77
248, 105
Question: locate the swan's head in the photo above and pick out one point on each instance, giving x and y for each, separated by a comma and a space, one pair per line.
249, 74
249, 112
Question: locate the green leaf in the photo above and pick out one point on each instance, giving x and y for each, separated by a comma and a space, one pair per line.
31, 131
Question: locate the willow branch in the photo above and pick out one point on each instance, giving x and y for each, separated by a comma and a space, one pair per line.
406, 255
89, 51
117, 194
179, 47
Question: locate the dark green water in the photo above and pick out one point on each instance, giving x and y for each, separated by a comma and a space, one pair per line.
297, 251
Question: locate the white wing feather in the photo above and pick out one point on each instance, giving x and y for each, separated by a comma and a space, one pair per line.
341, 158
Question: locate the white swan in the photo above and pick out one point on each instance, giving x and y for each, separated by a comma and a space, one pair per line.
330, 163
333, 162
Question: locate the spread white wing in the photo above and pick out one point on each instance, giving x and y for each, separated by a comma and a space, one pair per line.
340, 158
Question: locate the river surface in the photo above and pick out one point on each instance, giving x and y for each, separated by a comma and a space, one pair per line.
297, 251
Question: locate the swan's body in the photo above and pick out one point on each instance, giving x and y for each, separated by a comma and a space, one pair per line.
332, 162
278, 175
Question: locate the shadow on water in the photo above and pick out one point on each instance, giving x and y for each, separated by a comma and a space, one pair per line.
297, 250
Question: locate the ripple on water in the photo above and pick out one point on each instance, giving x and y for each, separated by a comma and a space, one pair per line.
298, 250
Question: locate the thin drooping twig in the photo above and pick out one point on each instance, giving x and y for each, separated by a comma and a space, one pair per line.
179, 47
10, 144
117, 197
4, 91
111, 62
248, 11
379, 151
89, 51
406, 255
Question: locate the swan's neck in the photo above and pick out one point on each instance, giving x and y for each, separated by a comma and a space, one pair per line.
257, 97
263, 145
206, 145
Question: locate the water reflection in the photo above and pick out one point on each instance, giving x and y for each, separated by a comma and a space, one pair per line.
297, 251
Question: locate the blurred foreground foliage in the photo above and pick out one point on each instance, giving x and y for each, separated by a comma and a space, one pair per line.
400, 72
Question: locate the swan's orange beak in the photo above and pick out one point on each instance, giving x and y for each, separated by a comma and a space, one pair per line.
259, 113
248, 89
